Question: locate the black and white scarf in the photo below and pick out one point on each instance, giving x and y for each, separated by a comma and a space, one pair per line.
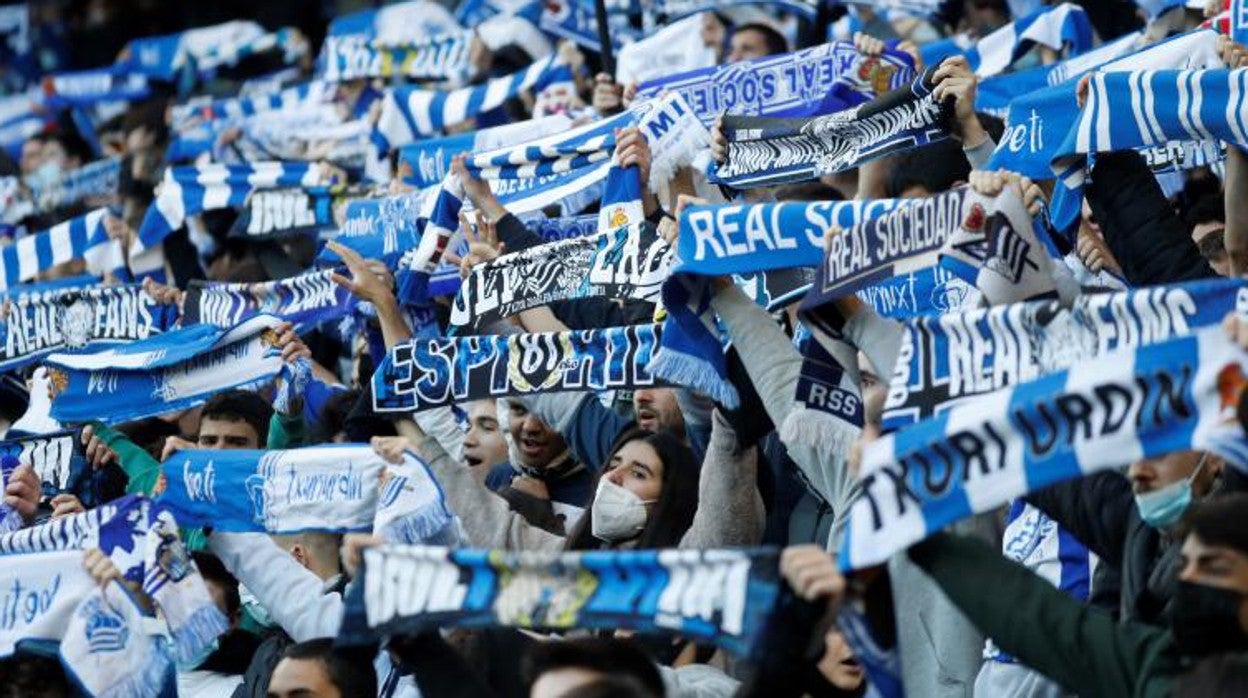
765, 151
629, 262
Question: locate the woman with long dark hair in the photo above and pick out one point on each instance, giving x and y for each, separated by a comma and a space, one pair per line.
651, 494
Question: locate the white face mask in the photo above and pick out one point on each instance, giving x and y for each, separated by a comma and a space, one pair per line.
617, 514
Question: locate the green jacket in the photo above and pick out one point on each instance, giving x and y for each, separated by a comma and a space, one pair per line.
1083, 649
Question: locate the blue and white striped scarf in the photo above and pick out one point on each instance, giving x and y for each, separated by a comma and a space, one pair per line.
425, 373
306, 300
427, 162
736, 239
442, 58
58, 462
1150, 109
410, 113
954, 357
1065, 26
187, 191
325, 488
725, 597
141, 538
412, 509
1102, 413
400, 21
82, 237
71, 319
185, 116
1039, 122
98, 179
534, 175
204, 49
764, 151
818, 80
165, 373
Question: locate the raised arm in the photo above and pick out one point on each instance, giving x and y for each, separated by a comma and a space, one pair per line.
730, 509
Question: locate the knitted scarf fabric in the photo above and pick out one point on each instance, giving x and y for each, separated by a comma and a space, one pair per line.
819, 80
164, 373
725, 597
425, 373
1121, 406
38, 324
766, 151
948, 359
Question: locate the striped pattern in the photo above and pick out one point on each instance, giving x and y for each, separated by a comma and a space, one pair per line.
408, 113
1146, 108
82, 237
185, 115
982, 453
187, 191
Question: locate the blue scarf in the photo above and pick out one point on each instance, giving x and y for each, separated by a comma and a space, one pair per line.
279, 213
412, 509
409, 113
1150, 109
165, 373
58, 461
1064, 26
952, 358
381, 229
567, 169
98, 179
190, 190
82, 237
307, 300
564, 228
919, 293
441, 57
819, 80
71, 319
202, 50
726, 597
425, 373
736, 239
576, 21
142, 539
674, 10
1123, 405
91, 87
427, 162
629, 262
326, 488
996, 93
764, 151
184, 116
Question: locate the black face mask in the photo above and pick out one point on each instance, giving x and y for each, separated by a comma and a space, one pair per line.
1205, 620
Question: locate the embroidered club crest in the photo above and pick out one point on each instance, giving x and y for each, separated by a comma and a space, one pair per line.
105, 629
77, 321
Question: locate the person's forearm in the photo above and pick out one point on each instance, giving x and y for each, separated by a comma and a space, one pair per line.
1236, 233
394, 330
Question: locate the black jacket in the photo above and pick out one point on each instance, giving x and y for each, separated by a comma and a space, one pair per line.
1146, 236
1100, 511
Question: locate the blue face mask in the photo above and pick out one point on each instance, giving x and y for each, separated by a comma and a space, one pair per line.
1162, 508
46, 175
192, 663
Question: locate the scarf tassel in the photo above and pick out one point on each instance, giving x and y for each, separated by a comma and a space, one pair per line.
427, 526
199, 630
146, 682
818, 430
693, 372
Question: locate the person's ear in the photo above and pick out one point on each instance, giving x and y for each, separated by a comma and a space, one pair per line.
301, 556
